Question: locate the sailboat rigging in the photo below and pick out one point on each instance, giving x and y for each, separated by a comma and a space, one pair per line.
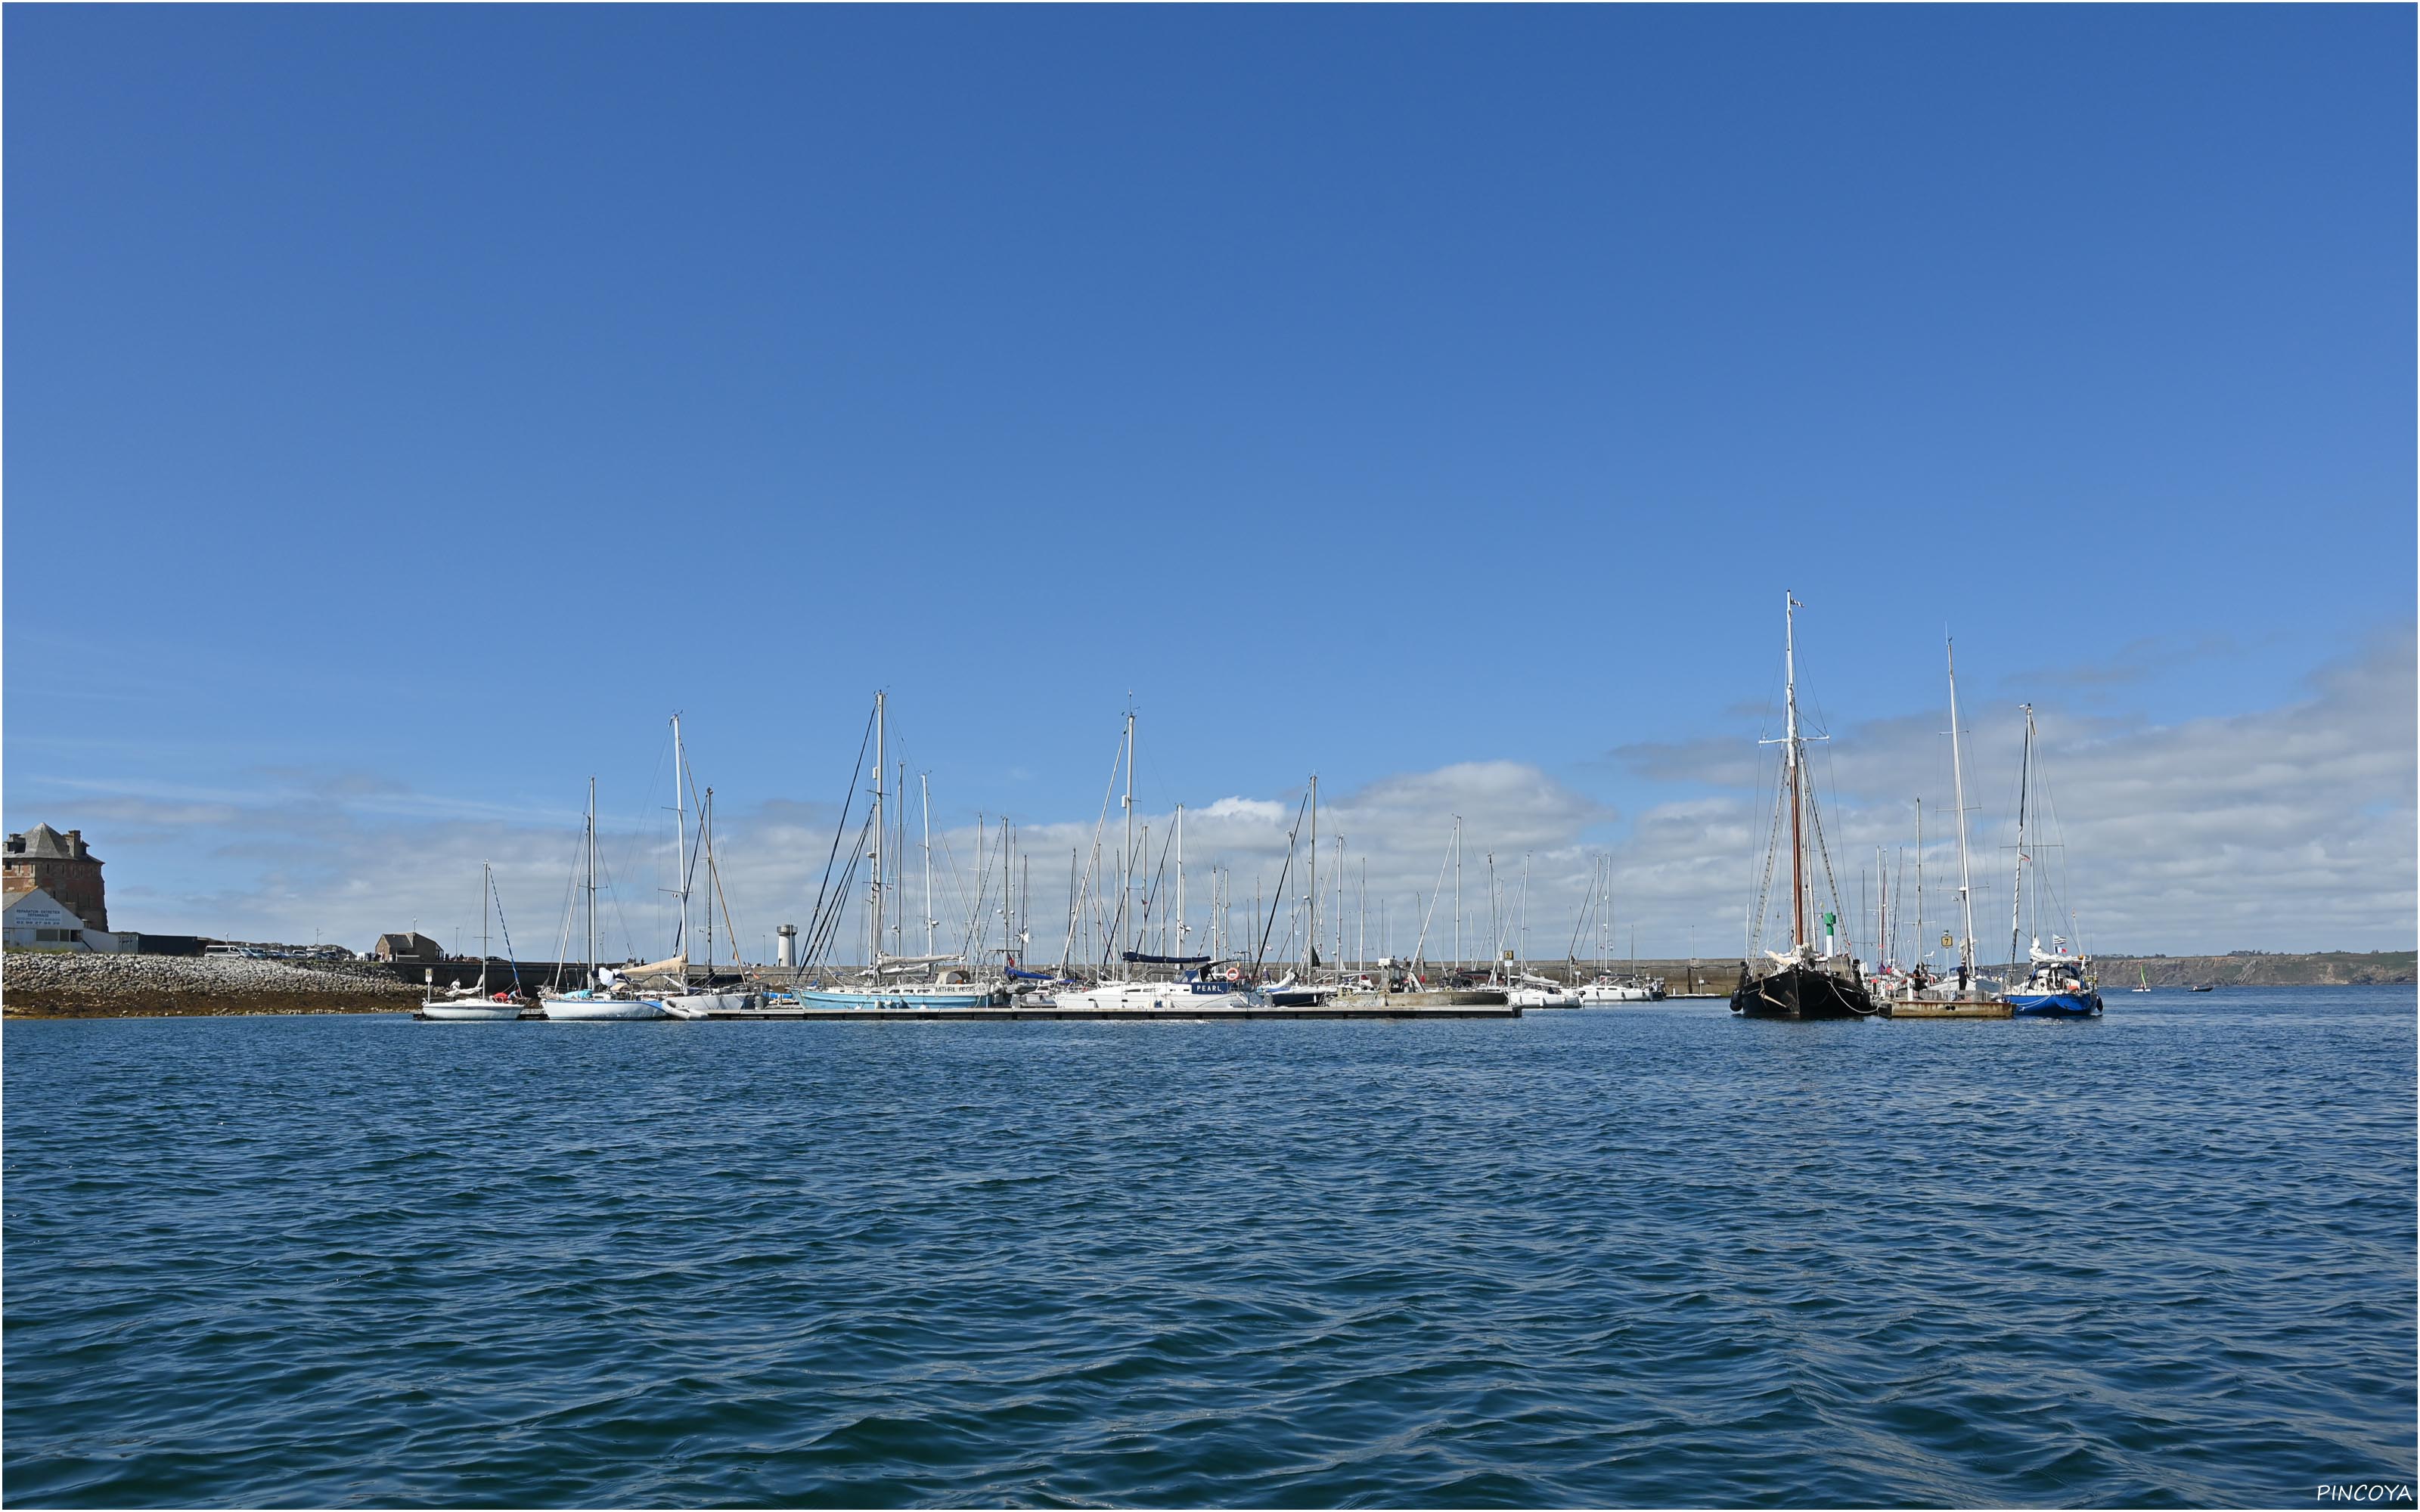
1802, 982
2057, 983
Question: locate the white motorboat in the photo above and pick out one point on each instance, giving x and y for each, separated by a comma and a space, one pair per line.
1541, 992
1602, 993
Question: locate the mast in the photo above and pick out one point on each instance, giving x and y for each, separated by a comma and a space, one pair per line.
899, 868
925, 779
874, 893
1184, 923
706, 839
1881, 910
486, 885
1789, 761
1495, 922
592, 881
1067, 952
680, 843
2017, 886
1457, 892
1125, 870
1958, 777
1311, 929
1923, 946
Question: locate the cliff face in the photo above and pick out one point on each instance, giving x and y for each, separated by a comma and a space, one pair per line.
2255, 969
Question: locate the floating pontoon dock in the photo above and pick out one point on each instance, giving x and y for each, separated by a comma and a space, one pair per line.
1398, 1009
1972, 1008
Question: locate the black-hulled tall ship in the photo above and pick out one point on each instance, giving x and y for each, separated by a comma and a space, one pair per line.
1802, 982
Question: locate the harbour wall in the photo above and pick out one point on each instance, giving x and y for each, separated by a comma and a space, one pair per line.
55, 984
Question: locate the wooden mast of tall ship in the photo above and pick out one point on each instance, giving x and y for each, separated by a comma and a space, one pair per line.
1800, 986
1790, 751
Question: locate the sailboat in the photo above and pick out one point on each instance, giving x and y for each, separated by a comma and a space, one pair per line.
2146, 981
1802, 982
474, 1004
599, 999
1200, 983
1603, 987
2059, 983
891, 980
670, 975
1919, 994
710, 1002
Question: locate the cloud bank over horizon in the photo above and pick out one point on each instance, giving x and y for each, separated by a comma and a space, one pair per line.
2288, 828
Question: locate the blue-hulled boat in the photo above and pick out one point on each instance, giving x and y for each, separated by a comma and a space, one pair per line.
2059, 986
2057, 983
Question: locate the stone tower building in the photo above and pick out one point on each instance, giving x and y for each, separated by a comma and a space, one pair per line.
60, 866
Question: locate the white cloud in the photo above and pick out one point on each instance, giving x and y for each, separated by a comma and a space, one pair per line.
2286, 828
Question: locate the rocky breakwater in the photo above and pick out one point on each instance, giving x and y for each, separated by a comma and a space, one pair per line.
45, 984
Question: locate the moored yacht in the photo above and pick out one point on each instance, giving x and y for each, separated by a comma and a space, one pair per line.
2059, 984
474, 1004
1801, 982
894, 983
1198, 991
605, 997
1526, 991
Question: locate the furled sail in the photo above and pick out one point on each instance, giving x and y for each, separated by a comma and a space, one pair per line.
675, 967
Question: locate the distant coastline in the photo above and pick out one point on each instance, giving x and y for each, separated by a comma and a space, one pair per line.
2263, 968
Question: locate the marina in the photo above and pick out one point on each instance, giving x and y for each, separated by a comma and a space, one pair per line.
812, 1011
1141, 939
1348, 967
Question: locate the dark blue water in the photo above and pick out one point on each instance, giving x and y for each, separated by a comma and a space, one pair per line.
1634, 1256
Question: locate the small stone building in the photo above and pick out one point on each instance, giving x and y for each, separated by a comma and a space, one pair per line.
61, 866
410, 946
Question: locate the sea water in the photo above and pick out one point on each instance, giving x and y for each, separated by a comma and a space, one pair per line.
1646, 1254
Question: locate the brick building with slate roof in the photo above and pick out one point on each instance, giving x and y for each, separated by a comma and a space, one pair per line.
62, 867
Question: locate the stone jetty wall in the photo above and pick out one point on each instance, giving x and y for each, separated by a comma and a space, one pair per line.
54, 985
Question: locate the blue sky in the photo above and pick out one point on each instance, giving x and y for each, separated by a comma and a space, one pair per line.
409, 407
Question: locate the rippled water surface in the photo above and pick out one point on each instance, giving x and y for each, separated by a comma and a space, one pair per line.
1643, 1255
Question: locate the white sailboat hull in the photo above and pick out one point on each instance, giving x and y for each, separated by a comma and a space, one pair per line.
579, 1008
1162, 997
926, 996
471, 1009
1598, 993
700, 1005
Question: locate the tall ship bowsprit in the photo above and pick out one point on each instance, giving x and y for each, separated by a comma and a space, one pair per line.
1802, 982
